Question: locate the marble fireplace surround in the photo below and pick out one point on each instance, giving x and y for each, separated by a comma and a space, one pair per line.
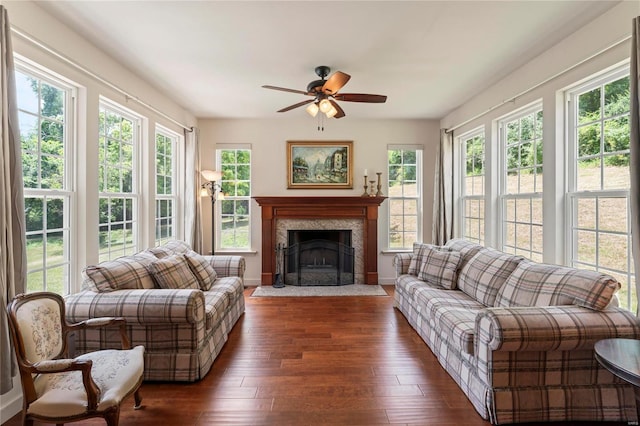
359, 214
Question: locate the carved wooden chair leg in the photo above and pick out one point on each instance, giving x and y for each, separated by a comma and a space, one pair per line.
138, 400
112, 417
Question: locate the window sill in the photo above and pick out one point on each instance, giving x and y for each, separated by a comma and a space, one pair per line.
235, 252
395, 251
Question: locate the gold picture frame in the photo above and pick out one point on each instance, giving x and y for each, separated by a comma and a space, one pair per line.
319, 164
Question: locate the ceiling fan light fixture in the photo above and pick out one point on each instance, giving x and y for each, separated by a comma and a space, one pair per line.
325, 106
332, 112
312, 109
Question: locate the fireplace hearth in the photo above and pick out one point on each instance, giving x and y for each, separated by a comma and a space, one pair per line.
319, 257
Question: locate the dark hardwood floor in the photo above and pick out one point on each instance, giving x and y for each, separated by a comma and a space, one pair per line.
313, 361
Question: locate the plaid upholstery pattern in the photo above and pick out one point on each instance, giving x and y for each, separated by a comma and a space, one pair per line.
401, 262
485, 273
202, 270
536, 284
127, 272
228, 266
182, 330
439, 267
169, 248
466, 248
174, 272
420, 252
521, 364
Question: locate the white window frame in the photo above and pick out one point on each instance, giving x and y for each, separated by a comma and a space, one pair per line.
477, 198
230, 197
134, 195
173, 196
574, 195
68, 192
417, 199
505, 198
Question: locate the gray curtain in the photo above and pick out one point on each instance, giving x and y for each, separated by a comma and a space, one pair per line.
192, 210
635, 148
443, 191
13, 257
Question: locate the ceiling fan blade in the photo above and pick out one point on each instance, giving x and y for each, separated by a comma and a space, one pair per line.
340, 113
294, 106
335, 83
361, 97
283, 89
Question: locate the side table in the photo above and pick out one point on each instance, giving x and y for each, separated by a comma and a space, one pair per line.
621, 357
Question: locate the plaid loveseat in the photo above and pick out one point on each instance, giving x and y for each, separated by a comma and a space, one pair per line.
179, 305
515, 335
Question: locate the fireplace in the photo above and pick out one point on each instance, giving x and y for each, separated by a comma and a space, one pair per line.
318, 257
358, 214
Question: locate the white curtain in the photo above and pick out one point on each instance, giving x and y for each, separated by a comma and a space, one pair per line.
443, 191
192, 209
635, 147
13, 258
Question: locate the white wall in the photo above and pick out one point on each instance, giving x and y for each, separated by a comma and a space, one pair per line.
581, 53
268, 143
29, 18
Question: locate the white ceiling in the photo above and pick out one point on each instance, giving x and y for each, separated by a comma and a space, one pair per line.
428, 57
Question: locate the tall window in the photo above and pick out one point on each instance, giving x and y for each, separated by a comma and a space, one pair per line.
599, 180
235, 219
118, 188
166, 199
405, 195
521, 183
472, 185
44, 110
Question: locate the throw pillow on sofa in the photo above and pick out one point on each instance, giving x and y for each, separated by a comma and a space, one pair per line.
202, 269
439, 267
485, 273
127, 272
174, 272
420, 250
169, 248
538, 284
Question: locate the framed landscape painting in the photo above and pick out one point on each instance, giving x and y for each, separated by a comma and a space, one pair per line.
320, 164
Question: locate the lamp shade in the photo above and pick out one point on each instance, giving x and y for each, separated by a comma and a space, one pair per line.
325, 105
204, 192
312, 109
332, 112
211, 175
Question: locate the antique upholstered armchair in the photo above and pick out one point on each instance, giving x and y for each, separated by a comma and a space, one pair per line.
58, 389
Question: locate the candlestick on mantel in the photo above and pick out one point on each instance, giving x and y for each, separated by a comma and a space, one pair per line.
372, 193
379, 193
365, 193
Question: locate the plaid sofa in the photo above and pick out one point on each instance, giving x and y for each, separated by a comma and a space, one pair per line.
515, 335
183, 326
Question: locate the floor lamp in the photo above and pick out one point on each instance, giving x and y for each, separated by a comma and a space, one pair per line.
212, 189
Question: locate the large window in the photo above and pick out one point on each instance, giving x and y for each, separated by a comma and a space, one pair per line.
521, 183
405, 196
599, 133
235, 219
118, 187
44, 113
472, 185
166, 199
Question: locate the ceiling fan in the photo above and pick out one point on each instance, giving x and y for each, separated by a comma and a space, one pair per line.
325, 94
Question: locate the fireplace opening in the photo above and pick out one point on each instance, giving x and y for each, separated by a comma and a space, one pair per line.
319, 257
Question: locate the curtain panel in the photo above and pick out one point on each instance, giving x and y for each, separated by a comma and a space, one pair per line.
634, 146
13, 258
442, 230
